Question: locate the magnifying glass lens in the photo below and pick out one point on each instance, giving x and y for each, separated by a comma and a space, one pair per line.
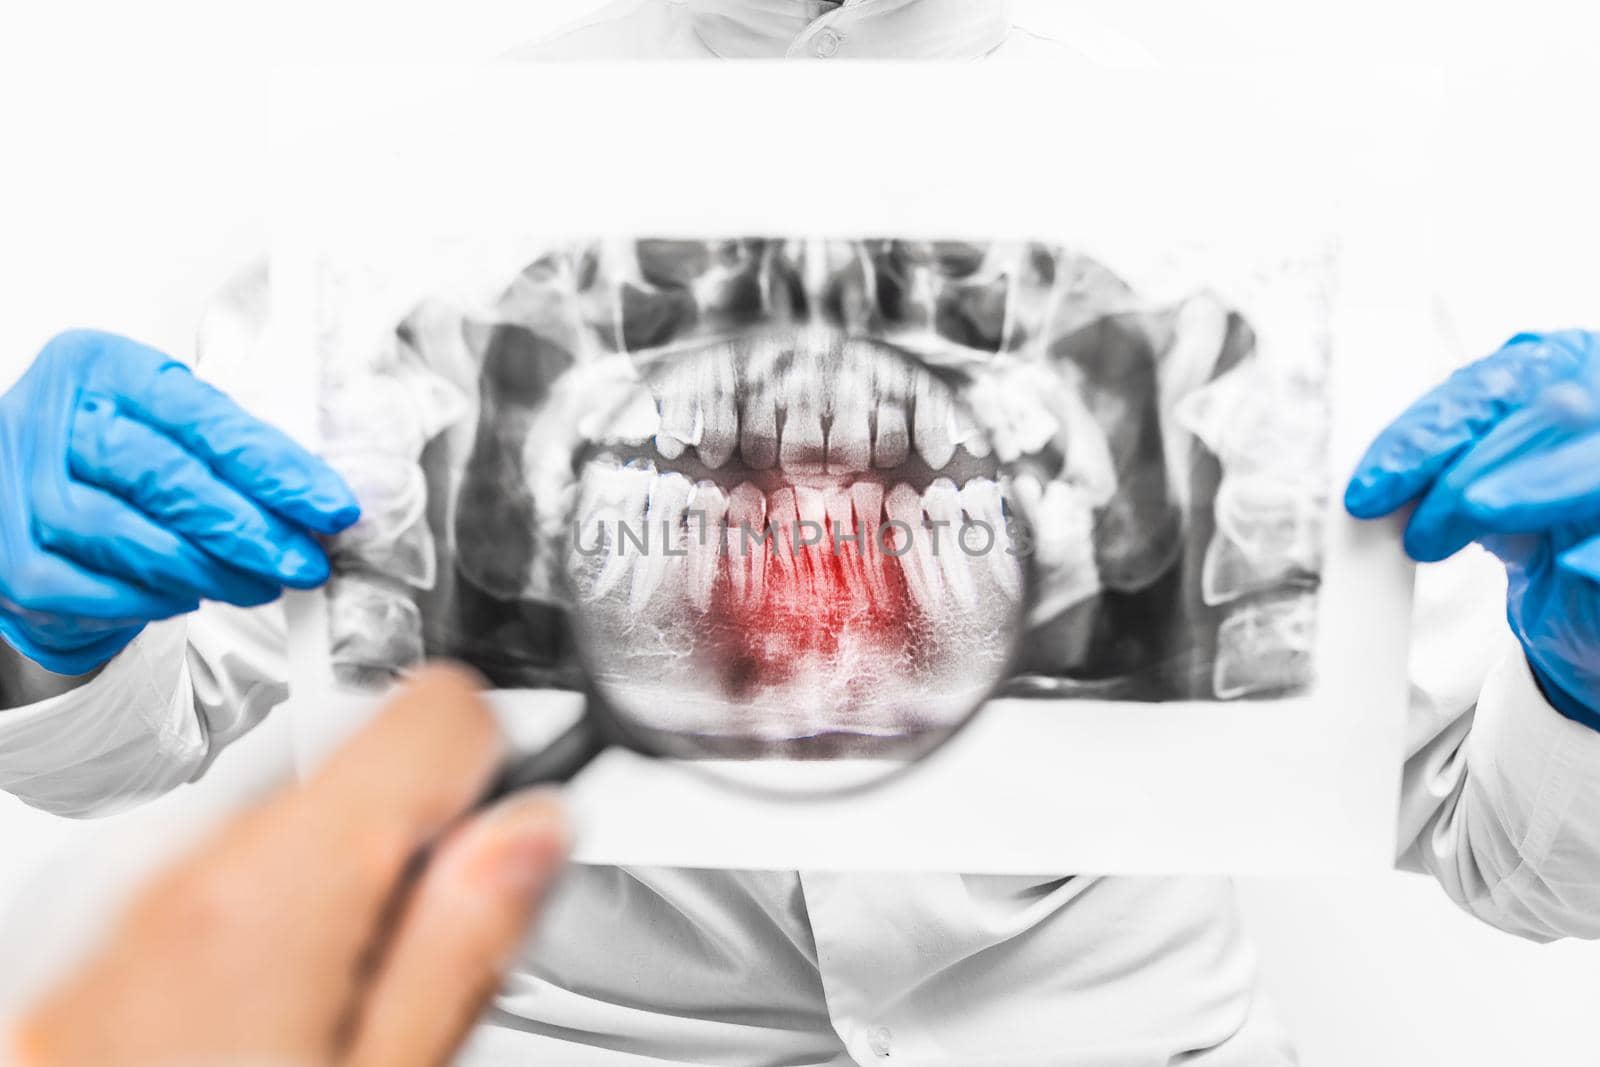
793, 550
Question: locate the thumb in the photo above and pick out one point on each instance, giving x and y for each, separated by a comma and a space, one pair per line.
458, 932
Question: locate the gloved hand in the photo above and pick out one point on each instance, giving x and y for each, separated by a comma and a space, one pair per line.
1506, 452
130, 491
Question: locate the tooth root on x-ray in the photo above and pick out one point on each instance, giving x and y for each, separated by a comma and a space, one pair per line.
923, 574
747, 560
841, 522
847, 296
942, 504
665, 505
849, 430
966, 433
1060, 521
1265, 646
811, 509
802, 445
682, 422
982, 499
717, 387
612, 498
930, 420
866, 503
706, 534
784, 516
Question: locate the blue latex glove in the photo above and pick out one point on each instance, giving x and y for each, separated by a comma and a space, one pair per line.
1506, 452
130, 491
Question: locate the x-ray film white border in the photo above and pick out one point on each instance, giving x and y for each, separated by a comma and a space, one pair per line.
1300, 785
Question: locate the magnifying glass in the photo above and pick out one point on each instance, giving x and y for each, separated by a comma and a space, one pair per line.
792, 564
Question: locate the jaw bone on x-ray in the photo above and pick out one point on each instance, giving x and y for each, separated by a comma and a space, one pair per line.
759, 470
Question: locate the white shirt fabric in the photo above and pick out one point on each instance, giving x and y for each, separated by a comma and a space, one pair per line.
798, 29
634, 966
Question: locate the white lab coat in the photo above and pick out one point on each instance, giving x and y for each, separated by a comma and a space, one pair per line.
1500, 802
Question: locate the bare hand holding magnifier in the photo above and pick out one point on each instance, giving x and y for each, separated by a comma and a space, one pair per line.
362, 918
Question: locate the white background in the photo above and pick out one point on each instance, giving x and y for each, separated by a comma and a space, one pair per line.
131, 162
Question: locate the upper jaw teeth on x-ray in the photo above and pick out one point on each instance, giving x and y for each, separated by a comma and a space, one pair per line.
1153, 483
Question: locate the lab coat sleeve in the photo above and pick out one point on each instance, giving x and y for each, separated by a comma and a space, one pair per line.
159, 712
154, 718
1500, 796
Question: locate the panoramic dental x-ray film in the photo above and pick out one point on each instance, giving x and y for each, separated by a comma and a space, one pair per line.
807, 495
755, 471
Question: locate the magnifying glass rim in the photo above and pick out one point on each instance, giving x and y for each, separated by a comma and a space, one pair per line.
621, 730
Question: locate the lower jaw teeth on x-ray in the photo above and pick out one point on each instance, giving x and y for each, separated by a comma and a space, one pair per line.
807, 473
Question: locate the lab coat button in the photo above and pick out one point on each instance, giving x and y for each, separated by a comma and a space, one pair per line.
827, 43
879, 1041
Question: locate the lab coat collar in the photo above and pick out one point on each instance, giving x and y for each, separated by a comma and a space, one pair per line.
876, 29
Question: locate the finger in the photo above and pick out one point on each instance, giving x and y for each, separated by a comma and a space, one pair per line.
257, 459
53, 593
459, 933
156, 475
268, 920
393, 788
1443, 523
1582, 559
1417, 447
101, 532
1537, 491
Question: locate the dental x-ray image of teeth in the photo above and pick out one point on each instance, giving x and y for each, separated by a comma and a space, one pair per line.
885, 474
